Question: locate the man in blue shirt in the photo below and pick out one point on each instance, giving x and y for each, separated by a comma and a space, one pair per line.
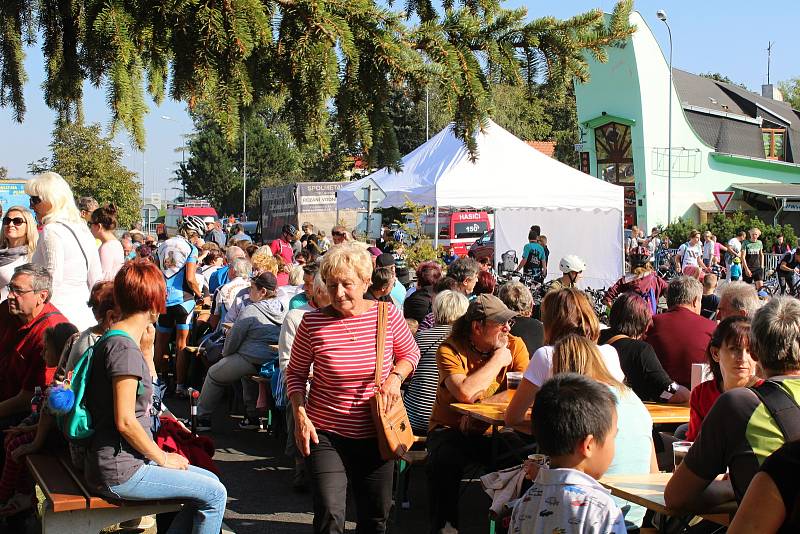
220, 276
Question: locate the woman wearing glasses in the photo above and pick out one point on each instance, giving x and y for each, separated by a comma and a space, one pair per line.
18, 240
65, 247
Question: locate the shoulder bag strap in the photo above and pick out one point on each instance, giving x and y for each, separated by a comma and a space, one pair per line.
37, 321
615, 338
781, 406
380, 342
77, 241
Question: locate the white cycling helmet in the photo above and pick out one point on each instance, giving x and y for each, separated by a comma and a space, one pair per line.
572, 264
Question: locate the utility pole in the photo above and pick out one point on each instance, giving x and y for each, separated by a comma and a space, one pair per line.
769, 58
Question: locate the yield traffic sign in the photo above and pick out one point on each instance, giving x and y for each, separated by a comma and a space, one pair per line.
722, 199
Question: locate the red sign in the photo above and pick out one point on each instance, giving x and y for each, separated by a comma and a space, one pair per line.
722, 199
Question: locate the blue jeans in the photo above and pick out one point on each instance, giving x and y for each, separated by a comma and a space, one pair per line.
204, 493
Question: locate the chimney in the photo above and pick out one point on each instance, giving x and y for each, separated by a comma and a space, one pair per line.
770, 91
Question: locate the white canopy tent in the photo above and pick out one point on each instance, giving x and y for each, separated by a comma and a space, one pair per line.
579, 214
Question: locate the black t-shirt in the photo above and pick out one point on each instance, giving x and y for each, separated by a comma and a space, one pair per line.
530, 330
418, 305
111, 459
789, 260
643, 372
709, 305
783, 466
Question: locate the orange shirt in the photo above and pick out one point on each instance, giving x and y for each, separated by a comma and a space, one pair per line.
458, 358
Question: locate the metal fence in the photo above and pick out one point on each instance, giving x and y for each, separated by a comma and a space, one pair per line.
772, 260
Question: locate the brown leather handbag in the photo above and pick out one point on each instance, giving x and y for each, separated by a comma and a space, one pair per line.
395, 436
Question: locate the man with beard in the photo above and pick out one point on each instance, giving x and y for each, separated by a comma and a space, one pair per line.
472, 364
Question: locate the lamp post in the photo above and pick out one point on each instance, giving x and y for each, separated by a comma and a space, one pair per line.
183, 159
662, 16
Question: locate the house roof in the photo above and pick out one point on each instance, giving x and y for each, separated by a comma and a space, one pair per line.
726, 116
545, 147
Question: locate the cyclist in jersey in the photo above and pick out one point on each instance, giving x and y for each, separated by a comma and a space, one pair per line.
534, 262
177, 258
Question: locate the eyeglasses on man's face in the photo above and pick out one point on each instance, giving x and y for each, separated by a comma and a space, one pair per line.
17, 290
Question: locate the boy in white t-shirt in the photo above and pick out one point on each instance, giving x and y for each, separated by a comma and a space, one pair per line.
575, 422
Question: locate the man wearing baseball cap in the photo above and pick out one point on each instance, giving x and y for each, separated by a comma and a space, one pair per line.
398, 292
213, 234
473, 363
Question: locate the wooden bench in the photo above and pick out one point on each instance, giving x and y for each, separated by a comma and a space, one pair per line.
71, 507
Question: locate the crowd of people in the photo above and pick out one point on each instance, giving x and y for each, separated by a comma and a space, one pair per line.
205, 309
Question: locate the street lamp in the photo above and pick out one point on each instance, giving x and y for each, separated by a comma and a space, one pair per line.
183, 158
662, 16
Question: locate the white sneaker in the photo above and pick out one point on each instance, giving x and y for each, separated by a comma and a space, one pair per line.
140, 523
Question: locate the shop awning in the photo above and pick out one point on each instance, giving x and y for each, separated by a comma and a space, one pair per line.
772, 190
733, 205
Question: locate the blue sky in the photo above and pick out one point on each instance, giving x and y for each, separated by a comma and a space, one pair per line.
708, 36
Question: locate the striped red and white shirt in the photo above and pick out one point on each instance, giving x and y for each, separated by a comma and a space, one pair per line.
342, 350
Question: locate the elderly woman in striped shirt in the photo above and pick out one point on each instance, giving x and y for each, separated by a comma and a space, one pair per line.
333, 424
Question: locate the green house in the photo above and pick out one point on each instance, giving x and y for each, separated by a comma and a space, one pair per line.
724, 138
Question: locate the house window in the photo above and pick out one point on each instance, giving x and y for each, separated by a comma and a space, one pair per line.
614, 153
774, 143
612, 143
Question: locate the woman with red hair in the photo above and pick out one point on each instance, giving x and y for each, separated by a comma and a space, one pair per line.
123, 461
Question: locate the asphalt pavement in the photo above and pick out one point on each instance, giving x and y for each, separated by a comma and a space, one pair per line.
258, 477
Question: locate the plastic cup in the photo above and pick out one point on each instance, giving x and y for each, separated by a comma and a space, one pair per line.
513, 378
679, 450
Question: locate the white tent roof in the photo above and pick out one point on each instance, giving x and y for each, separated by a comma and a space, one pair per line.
508, 173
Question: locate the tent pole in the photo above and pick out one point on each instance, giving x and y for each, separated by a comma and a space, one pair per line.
436, 227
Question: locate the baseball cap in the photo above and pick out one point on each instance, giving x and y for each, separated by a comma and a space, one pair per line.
265, 280
209, 220
384, 260
487, 306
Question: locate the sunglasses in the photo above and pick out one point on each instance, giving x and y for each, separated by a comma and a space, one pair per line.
338, 234
35, 200
16, 221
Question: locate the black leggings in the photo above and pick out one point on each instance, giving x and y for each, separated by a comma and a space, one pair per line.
333, 463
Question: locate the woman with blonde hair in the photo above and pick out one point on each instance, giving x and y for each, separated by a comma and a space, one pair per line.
634, 452
333, 427
18, 239
65, 248
566, 311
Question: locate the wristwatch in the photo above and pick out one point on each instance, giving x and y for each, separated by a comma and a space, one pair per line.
401, 377
671, 390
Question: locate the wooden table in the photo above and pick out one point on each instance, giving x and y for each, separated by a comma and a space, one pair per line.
648, 491
493, 413
668, 413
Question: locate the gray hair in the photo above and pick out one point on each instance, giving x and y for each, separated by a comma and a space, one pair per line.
448, 306
775, 335
41, 280
741, 296
516, 296
684, 290
235, 252
242, 267
88, 204
463, 268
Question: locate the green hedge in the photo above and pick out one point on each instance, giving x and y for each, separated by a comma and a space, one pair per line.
727, 227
